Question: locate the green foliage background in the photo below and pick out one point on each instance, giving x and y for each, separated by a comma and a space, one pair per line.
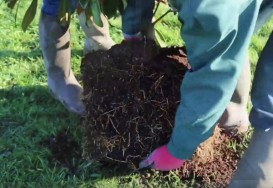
92, 8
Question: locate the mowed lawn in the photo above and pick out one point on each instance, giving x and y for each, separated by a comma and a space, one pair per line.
30, 117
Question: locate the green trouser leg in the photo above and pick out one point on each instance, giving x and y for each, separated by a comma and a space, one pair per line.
236, 115
217, 44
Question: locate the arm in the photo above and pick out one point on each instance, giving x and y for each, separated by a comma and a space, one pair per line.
217, 44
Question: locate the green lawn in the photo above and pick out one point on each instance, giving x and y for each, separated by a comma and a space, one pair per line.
29, 115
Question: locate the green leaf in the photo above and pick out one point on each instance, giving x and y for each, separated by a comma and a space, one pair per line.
95, 9
159, 38
11, 3
29, 15
65, 12
124, 3
112, 7
84, 3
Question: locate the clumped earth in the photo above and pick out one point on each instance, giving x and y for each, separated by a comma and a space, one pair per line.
132, 92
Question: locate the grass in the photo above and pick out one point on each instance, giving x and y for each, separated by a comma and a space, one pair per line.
29, 115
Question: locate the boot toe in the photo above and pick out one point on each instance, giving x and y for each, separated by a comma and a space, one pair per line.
234, 120
70, 97
77, 108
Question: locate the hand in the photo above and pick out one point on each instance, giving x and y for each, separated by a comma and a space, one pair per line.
161, 159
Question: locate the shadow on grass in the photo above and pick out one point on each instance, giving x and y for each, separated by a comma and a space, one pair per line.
32, 106
65, 152
20, 99
35, 52
25, 104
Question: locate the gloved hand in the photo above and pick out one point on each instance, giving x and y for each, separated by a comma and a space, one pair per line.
161, 159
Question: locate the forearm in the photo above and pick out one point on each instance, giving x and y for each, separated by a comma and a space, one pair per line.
217, 44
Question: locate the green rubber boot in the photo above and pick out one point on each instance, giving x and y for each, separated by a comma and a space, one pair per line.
255, 170
235, 116
55, 45
97, 38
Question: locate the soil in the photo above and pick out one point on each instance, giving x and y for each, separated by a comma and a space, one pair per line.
132, 92
215, 160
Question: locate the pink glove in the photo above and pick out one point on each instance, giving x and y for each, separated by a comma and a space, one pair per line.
161, 159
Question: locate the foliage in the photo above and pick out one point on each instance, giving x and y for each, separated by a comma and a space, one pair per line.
92, 8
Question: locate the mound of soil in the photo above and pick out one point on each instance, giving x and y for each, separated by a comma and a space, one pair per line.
132, 92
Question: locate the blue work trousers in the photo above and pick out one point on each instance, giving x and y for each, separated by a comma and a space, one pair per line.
51, 7
261, 116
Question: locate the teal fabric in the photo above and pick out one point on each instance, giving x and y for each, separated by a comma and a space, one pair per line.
217, 35
137, 16
261, 116
265, 13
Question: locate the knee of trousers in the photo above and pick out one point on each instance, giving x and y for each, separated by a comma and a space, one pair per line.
261, 115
